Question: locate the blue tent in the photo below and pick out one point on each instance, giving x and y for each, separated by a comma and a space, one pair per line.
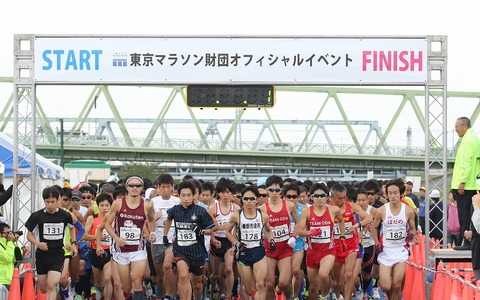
45, 168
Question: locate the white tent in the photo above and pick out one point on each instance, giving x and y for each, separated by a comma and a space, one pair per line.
47, 174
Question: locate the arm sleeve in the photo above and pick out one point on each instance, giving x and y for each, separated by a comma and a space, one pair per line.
80, 229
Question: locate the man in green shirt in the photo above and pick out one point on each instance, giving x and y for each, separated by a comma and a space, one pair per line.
465, 171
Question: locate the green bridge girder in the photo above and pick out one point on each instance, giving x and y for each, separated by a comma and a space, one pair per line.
370, 162
206, 153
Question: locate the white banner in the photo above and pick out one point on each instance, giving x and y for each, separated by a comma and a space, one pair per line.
230, 60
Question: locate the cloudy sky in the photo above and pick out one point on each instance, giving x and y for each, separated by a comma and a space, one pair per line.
457, 19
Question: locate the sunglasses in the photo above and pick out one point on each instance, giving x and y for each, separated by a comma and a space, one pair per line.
291, 196
135, 186
274, 190
249, 198
238, 196
263, 195
319, 195
86, 197
66, 199
371, 193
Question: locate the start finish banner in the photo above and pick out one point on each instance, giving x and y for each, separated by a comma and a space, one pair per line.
230, 60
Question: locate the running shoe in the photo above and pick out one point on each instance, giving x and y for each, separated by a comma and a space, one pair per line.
376, 293
359, 295
66, 294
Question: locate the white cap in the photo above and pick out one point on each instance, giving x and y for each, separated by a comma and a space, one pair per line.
434, 194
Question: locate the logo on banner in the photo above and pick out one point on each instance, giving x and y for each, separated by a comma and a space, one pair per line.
119, 59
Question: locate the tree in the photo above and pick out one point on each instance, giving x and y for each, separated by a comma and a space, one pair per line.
146, 170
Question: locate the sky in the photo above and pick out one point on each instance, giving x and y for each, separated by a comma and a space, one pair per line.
456, 19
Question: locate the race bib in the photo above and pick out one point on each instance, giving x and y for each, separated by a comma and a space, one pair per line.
161, 224
53, 231
395, 235
131, 235
221, 232
323, 237
105, 242
281, 233
251, 237
336, 230
186, 237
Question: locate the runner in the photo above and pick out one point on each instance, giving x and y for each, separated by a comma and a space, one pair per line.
250, 224
375, 190
316, 223
130, 215
71, 262
163, 254
192, 222
346, 245
46, 231
222, 210
291, 193
279, 212
100, 259
367, 242
395, 217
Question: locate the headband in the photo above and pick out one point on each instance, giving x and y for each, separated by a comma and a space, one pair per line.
134, 177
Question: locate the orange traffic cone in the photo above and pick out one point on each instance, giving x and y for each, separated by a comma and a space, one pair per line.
409, 269
456, 286
438, 282
447, 292
279, 296
477, 291
418, 293
28, 291
40, 295
14, 293
422, 250
467, 293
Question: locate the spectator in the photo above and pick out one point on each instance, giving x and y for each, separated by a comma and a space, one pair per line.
7, 254
453, 223
7, 194
421, 209
465, 171
409, 192
436, 215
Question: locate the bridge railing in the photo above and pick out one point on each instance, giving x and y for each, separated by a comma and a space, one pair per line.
215, 145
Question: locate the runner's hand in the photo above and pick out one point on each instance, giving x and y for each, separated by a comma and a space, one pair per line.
166, 242
121, 242
292, 241
100, 251
151, 237
273, 246
240, 246
315, 232
216, 243
42, 246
